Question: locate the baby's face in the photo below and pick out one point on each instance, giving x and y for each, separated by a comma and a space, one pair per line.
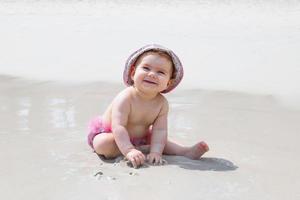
152, 73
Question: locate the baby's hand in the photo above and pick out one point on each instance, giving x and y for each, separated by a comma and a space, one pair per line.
155, 158
136, 157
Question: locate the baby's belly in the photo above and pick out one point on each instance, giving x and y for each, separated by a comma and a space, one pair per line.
137, 131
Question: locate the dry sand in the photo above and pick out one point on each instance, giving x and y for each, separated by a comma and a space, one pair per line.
44, 155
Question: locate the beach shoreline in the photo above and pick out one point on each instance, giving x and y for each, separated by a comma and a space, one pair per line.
245, 46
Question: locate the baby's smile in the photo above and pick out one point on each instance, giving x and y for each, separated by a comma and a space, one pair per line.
150, 82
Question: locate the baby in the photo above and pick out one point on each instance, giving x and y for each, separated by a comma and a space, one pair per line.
136, 122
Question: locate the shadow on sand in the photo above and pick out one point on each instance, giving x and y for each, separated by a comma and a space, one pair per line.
203, 164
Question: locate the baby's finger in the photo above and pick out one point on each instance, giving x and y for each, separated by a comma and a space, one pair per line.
148, 158
161, 161
142, 156
142, 159
152, 160
157, 161
133, 162
138, 161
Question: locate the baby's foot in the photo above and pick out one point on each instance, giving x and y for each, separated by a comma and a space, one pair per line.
197, 150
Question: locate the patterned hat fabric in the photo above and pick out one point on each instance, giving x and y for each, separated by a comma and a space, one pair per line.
133, 58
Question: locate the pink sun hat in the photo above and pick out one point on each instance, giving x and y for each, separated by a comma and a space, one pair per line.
177, 77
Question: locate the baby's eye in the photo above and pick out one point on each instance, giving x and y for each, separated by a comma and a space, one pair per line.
161, 72
146, 68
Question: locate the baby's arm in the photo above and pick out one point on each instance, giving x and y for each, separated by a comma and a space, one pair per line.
159, 135
120, 113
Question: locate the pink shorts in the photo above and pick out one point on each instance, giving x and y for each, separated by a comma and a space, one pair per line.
97, 126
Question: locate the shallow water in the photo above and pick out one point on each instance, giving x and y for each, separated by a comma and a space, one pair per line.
249, 46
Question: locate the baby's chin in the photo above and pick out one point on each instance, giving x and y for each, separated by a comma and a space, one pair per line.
150, 90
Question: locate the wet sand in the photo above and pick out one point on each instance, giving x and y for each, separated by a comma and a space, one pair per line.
44, 154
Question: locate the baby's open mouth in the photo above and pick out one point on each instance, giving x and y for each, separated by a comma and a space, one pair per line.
151, 82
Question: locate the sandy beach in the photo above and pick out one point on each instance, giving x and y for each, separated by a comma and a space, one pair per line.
61, 64
44, 153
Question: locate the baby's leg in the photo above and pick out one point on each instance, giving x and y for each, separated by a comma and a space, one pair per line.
193, 152
173, 148
104, 144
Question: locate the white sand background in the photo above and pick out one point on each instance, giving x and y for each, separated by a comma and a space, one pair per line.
240, 93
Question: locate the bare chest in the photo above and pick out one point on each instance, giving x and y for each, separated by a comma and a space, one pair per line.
143, 113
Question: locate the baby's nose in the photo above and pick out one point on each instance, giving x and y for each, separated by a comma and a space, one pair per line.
152, 74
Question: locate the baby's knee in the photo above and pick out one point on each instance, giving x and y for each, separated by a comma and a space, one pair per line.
105, 146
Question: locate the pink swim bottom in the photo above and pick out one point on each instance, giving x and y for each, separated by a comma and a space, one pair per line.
97, 126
